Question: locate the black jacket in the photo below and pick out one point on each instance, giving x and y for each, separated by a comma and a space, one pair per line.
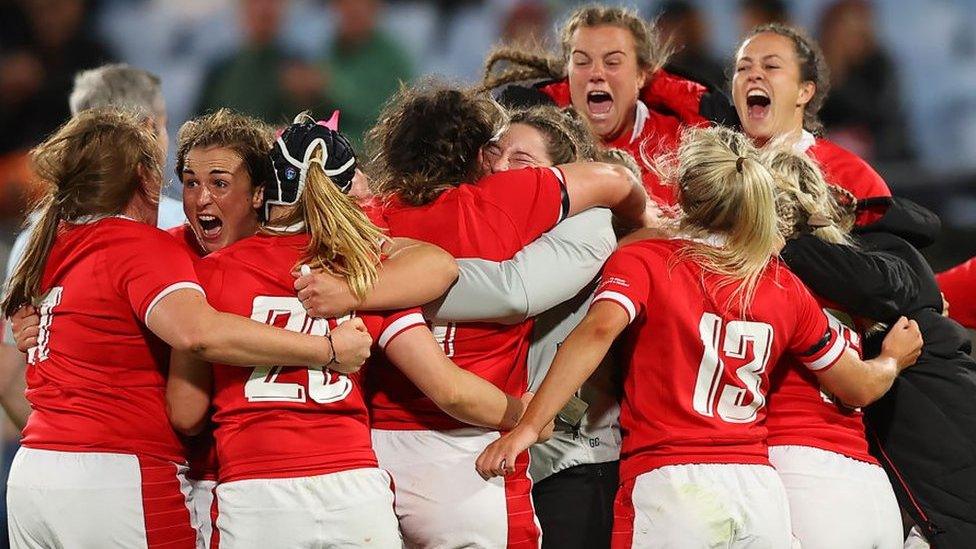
924, 430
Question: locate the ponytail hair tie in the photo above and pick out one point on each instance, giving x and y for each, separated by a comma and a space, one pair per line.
738, 163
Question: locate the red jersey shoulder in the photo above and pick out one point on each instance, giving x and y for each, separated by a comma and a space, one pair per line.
131, 231
845, 169
185, 236
629, 274
146, 263
514, 184
373, 207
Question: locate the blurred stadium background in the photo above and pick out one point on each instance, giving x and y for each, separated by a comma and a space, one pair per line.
904, 72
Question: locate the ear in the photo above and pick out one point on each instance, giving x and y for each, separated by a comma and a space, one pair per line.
148, 181
807, 90
257, 198
642, 78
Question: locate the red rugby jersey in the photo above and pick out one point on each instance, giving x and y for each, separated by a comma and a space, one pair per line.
492, 219
697, 376
845, 169
959, 286
801, 413
287, 421
96, 381
185, 236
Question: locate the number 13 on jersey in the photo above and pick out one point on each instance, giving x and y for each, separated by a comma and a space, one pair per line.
734, 340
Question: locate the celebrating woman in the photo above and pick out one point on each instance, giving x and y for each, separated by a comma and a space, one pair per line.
609, 71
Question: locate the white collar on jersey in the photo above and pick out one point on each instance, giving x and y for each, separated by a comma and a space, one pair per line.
294, 228
642, 115
805, 141
89, 219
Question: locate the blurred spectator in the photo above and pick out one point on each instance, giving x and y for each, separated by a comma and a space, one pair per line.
527, 22
363, 67
684, 26
863, 111
38, 64
753, 13
255, 79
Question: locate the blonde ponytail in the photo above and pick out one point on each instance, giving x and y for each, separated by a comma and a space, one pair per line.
725, 190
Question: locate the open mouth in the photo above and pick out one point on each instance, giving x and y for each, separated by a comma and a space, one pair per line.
757, 103
599, 102
210, 225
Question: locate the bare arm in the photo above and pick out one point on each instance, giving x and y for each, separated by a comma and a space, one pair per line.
461, 394
593, 184
414, 273
185, 321
188, 390
13, 383
544, 274
576, 360
859, 383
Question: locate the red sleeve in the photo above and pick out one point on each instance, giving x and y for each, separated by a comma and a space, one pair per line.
959, 286
626, 281
534, 199
675, 94
395, 323
847, 170
817, 340
373, 208
558, 91
150, 265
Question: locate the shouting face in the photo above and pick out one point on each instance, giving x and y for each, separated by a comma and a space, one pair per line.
605, 79
767, 88
218, 197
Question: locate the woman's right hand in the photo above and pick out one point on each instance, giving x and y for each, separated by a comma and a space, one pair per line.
903, 343
25, 325
351, 343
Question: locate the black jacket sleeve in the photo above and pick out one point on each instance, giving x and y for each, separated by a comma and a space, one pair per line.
903, 218
872, 284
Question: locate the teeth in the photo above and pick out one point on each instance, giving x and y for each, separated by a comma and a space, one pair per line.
757, 93
206, 217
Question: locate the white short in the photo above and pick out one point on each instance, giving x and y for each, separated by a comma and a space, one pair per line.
351, 508
97, 500
837, 502
443, 503
201, 509
698, 506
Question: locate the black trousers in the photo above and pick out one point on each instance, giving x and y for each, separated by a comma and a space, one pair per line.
575, 506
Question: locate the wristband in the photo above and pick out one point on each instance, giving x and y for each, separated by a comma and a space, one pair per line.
334, 359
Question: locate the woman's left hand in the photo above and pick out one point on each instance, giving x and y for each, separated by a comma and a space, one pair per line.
498, 459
